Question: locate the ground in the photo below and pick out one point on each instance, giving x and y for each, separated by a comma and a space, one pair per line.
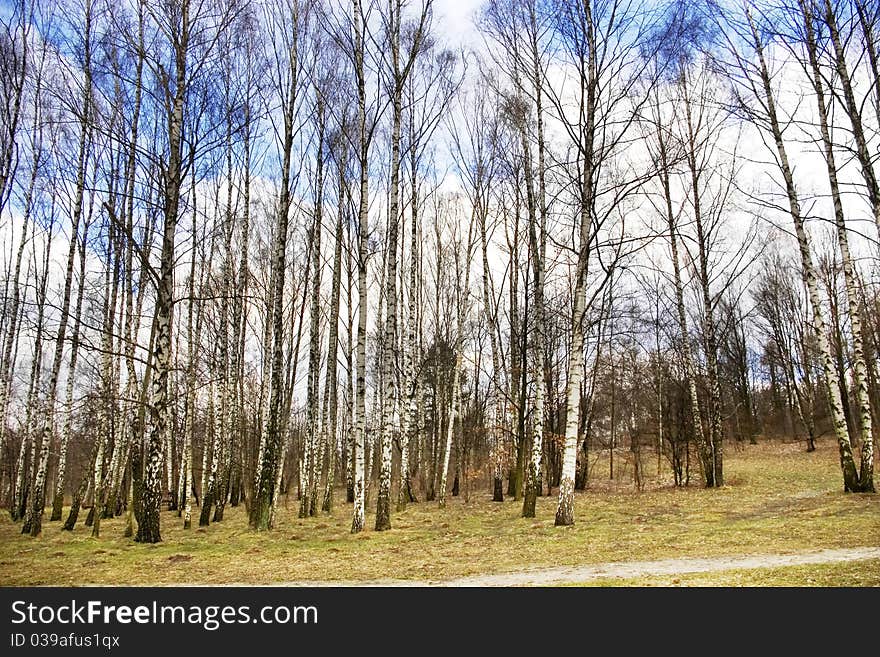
778, 500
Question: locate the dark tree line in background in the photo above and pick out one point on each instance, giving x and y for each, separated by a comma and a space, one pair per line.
288, 247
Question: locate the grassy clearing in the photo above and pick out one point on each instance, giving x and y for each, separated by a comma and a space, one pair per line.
779, 499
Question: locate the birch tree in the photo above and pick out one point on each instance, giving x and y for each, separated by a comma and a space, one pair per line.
400, 70
15, 44
463, 237
190, 41
757, 100
34, 522
601, 43
290, 20
309, 502
860, 381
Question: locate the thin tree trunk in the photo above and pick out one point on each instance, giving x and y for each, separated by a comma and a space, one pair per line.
226, 428
10, 347
12, 313
536, 355
357, 523
309, 502
108, 406
332, 384
446, 454
350, 374
715, 442
209, 493
462, 308
565, 505
868, 23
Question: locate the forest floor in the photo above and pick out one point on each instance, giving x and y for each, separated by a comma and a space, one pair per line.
781, 519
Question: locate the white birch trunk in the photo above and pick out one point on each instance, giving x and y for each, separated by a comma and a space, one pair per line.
357, 523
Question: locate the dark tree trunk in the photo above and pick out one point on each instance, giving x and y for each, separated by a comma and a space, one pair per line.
498, 489
75, 504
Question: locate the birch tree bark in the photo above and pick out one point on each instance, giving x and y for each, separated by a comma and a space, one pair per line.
536, 356
108, 437
357, 523
227, 341
869, 24
350, 344
514, 26
11, 317
429, 88
186, 464
496, 416
309, 501
330, 421
565, 505
599, 40
216, 396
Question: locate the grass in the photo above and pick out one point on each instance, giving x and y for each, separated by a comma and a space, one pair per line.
778, 499
852, 573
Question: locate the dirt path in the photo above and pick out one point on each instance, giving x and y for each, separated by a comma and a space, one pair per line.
633, 569
629, 569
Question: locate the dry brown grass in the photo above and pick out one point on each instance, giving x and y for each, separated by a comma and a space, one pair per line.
779, 499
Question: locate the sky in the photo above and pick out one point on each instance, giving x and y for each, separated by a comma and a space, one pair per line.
455, 21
